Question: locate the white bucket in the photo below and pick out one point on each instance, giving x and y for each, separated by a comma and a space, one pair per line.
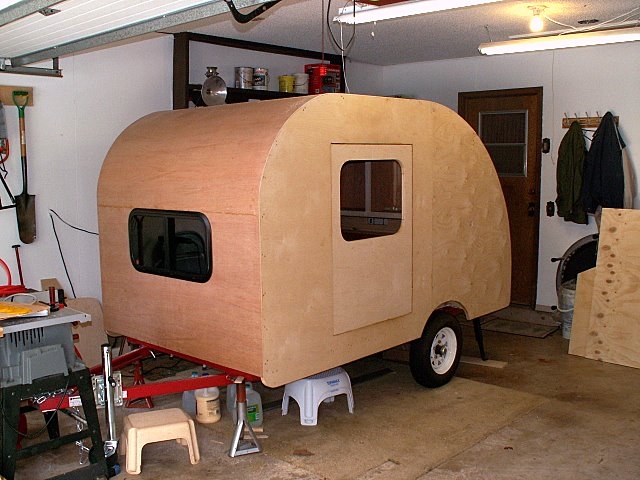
565, 306
301, 83
260, 78
208, 405
244, 77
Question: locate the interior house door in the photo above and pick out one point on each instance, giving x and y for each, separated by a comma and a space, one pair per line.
509, 122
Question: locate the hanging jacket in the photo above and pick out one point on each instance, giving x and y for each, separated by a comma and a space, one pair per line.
571, 156
603, 172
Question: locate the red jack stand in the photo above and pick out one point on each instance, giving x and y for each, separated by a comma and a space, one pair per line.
138, 379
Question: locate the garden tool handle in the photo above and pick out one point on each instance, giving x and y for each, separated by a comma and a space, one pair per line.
20, 100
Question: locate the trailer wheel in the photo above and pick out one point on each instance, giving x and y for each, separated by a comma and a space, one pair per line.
434, 357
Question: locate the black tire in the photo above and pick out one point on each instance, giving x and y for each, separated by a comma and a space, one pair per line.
435, 356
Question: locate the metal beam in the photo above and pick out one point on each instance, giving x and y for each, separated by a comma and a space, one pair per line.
24, 9
211, 9
39, 71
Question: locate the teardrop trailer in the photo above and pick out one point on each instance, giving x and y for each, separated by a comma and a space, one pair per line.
287, 237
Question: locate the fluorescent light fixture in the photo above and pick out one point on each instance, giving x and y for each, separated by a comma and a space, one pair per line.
602, 37
417, 7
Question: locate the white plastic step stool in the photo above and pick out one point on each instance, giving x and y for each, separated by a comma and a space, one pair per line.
156, 426
311, 391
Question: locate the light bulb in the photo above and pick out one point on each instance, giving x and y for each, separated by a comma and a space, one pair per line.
536, 24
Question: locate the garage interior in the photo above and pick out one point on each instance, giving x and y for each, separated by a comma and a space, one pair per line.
544, 389
542, 414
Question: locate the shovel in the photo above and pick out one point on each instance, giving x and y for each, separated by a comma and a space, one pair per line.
25, 203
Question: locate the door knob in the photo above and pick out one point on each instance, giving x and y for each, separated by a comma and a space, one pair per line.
531, 209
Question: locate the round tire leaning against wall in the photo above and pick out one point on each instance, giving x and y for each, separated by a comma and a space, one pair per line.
434, 357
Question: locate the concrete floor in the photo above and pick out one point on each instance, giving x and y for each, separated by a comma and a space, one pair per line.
544, 415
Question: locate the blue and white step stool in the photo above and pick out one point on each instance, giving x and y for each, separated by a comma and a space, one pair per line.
311, 391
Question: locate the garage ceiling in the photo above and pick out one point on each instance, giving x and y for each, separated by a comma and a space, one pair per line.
27, 36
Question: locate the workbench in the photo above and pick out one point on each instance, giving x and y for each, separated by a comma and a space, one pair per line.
37, 361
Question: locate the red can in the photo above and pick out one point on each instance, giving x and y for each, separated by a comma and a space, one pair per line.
323, 78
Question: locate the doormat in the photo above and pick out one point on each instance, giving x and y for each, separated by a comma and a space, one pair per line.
515, 327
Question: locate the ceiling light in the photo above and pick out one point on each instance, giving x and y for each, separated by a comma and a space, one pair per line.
569, 40
367, 14
537, 24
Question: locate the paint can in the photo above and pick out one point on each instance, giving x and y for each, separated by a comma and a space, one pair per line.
323, 78
208, 405
244, 77
286, 83
301, 83
260, 78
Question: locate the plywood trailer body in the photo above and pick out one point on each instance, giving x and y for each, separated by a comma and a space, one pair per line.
289, 292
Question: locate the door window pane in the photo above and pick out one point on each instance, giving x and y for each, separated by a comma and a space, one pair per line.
504, 134
370, 198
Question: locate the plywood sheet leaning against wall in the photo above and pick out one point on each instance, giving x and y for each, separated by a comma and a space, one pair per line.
582, 313
289, 295
612, 332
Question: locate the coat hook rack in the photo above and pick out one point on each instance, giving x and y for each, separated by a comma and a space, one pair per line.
586, 121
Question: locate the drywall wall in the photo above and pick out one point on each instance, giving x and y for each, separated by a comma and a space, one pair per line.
575, 81
71, 126
76, 118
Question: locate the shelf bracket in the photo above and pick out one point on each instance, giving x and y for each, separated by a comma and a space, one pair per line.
55, 71
245, 18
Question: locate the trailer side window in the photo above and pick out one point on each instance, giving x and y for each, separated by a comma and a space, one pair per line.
171, 244
370, 198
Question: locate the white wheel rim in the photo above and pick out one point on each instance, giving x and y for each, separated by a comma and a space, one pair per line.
443, 350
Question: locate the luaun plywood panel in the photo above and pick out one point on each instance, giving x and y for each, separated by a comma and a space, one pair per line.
263, 176
614, 327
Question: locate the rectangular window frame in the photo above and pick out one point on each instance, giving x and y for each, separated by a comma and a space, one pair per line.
524, 146
138, 247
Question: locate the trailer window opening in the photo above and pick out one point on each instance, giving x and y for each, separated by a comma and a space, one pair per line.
370, 198
171, 243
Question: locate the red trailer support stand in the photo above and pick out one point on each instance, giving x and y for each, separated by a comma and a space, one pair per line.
130, 393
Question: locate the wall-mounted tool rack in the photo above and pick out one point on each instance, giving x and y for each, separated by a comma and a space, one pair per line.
6, 94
